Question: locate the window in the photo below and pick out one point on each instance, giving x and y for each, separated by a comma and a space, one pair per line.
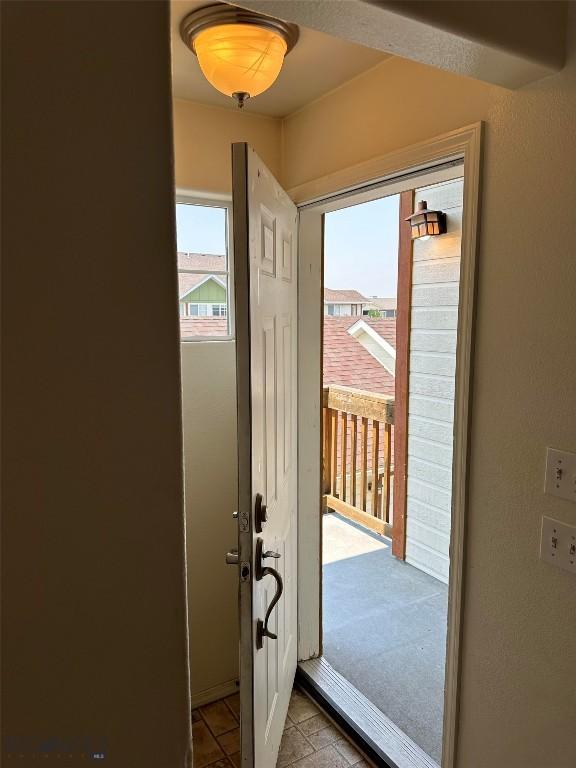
204, 268
339, 309
203, 309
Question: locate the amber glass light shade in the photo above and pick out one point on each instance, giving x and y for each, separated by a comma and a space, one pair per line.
425, 223
240, 58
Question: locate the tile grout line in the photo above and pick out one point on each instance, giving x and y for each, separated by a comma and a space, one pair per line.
344, 736
227, 759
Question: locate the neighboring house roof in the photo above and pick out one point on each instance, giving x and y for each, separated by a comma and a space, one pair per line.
188, 283
205, 261
333, 296
203, 326
382, 303
348, 363
386, 327
374, 343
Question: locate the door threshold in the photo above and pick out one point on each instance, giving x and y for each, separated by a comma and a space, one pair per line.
376, 735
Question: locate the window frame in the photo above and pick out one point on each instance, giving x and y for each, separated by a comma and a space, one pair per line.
186, 197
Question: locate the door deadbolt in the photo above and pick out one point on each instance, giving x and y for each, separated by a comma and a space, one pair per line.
232, 557
260, 513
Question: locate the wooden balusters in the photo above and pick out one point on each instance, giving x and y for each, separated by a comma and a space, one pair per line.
376, 511
327, 451
387, 472
364, 463
367, 418
353, 456
333, 449
343, 453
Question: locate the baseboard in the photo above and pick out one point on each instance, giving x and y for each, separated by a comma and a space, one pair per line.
208, 695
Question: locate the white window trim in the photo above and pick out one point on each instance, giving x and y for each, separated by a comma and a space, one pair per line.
190, 197
360, 328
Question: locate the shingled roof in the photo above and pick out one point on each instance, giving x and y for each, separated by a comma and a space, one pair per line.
210, 262
382, 302
205, 261
191, 327
348, 363
334, 296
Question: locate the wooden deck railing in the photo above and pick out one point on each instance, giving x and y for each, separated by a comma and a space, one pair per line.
357, 440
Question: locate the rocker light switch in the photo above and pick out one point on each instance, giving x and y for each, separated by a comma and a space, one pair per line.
560, 474
558, 544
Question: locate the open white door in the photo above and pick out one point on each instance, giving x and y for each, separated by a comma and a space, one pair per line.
265, 234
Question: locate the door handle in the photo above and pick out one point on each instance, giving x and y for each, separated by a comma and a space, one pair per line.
262, 630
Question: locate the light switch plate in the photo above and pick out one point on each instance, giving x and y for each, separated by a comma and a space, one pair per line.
558, 544
560, 474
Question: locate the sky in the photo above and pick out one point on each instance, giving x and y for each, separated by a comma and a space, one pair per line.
360, 242
361, 247
200, 229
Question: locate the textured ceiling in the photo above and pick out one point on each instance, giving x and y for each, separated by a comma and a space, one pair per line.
318, 64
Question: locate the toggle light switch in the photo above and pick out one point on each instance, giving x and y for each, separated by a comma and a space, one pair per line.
560, 474
558, 544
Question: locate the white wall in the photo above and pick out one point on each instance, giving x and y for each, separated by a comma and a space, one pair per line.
519, 646
202, 144
210, 474
432, 367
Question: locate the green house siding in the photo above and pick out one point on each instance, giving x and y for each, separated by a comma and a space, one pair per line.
210, 291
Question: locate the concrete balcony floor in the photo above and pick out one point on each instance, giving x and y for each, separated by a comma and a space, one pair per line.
384, 629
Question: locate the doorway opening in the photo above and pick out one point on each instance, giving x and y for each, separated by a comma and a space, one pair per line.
389, 342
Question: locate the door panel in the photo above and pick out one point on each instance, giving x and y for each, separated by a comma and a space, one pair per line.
266, 321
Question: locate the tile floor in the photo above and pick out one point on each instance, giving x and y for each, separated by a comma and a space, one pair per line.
216, 734
310, 740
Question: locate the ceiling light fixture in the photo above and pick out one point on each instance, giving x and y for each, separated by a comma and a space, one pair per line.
240, 52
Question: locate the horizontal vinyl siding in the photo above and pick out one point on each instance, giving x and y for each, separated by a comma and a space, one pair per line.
209, 291
434, 322
431, 408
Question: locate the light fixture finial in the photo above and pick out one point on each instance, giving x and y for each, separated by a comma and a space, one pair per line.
241, 97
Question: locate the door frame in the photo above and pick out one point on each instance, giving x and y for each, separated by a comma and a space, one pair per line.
394, 172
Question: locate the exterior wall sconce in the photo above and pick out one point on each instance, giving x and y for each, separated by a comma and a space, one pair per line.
240, 52
425, 223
